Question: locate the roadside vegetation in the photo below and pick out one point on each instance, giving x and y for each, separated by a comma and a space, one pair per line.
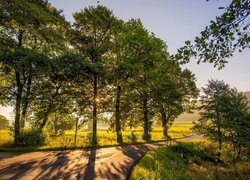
65, 140
224, 122
192, 160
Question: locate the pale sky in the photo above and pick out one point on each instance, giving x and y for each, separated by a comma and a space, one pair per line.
174, 21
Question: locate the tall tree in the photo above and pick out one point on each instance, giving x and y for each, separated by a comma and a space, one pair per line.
147, 51
93, 34
173, 92
236, 115
214, 111
27, 25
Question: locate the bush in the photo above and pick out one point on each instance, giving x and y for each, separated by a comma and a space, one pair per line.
31, 137
132, 138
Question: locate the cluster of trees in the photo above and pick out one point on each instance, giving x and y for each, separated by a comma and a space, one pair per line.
225, 116
97, 67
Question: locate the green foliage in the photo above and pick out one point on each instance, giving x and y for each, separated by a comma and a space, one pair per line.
101, 65
59, 123
187, 161
224, 115
228, 33
31, 137
4, 123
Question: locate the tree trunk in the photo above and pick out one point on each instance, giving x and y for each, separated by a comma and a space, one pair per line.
164, 120
220, 143
56, 125
94, 138
18, 96
238, 154
117, 116
46, 116
146, 135
26, 103
18, 108
164, 123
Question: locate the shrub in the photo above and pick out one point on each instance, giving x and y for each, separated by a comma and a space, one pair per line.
132, 137
31, 137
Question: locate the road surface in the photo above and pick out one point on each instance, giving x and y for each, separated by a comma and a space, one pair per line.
103, 163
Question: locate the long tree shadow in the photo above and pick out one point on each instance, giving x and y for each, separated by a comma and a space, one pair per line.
120, 166
56, 165
90, 167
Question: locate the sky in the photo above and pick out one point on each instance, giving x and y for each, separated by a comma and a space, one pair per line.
174, 21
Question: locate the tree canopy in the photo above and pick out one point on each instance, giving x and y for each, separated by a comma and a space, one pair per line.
101, 68
225, 35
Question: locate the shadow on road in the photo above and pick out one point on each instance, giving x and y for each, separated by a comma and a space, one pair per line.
90, 167
64, 164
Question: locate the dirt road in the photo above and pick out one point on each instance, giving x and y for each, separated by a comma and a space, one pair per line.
103, 163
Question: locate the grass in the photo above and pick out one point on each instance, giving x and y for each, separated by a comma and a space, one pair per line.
105, 138
187, 161
5, 137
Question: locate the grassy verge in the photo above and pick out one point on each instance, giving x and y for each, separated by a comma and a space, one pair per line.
48, 148
187, 161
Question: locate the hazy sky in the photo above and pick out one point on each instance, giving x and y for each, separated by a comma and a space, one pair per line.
174, 21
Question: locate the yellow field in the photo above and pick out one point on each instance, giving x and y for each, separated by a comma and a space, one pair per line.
105, 138
5, 137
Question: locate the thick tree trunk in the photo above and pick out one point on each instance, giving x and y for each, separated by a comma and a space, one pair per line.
95, 101
117, 116
18, 95
26, 102
46, 116
146, 135
164, 123
18, 108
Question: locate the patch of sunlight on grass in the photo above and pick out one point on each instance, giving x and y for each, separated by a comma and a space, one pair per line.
188, 161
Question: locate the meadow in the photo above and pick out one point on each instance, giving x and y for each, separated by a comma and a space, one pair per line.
105, 137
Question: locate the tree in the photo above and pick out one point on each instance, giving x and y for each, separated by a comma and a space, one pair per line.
173, 93
93, 34
149, 50
123, 64
4, 123
59, 122
228, 33
238, 122
27, 28
223, 115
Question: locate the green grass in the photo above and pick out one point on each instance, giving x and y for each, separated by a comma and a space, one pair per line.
187, 161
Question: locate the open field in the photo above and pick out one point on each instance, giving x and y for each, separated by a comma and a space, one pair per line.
105, 138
